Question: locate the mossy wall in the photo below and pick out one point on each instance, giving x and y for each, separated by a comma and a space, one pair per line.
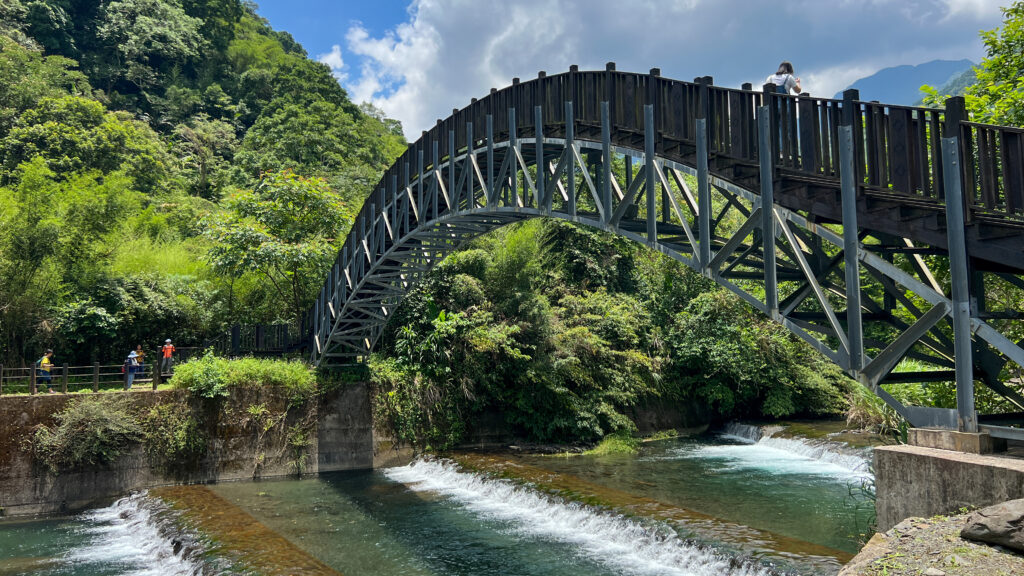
253, 433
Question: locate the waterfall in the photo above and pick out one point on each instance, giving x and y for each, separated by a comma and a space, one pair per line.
139, 535
762, 449
629, 545
742, 432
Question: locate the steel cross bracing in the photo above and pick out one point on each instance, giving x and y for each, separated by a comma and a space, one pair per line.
864, 297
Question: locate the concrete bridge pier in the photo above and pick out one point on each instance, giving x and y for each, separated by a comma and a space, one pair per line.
942, 471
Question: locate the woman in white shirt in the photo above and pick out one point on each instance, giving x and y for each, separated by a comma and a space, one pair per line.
784, 79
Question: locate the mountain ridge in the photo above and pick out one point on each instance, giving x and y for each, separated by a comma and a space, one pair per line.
902, 84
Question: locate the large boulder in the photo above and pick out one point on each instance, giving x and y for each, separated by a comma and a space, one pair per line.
1001, 524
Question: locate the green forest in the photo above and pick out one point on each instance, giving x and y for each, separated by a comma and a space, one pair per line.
171, 167
149, 150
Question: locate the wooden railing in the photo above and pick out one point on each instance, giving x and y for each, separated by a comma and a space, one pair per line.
896, 149
72, 379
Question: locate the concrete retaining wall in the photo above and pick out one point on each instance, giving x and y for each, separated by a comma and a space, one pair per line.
340, 438
923, 482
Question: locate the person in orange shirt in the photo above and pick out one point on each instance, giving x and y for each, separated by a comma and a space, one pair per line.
167, 362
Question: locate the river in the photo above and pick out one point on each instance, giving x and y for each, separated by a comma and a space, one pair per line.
735, 503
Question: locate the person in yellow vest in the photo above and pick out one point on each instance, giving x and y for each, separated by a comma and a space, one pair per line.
45, 365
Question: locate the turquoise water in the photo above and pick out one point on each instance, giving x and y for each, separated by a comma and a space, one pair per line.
713, 506
129, 537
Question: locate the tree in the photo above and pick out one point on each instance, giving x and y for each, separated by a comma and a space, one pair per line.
148, 34
286, 230
997, 96
74, 133
12, 22
206, 147
999, 92
26, 77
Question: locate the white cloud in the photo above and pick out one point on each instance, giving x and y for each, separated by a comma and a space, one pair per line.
449, 51
978, 8
335, 61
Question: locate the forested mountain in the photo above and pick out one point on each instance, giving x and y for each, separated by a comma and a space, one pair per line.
133, 138
902, 84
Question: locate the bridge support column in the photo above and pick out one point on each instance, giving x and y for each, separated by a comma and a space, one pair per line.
570, 144
651, 182
606, 162
703, 185
851, 244
959, 276
766, 160
703, 198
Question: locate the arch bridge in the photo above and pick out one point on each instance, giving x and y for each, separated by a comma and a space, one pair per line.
875, 233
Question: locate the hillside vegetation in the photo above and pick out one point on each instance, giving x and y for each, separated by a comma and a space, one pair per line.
134, 135
169, 167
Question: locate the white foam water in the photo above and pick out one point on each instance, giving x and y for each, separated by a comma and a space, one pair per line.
759, 449
127, 534
618, 542
742, 432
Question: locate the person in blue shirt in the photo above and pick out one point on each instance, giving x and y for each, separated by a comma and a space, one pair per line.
131, 366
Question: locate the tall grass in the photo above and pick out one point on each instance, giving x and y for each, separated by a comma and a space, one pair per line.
211, 376
144, 255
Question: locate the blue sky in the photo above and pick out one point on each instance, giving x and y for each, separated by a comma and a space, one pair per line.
419, 59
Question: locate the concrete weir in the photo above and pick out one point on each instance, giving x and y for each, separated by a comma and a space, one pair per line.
926, 480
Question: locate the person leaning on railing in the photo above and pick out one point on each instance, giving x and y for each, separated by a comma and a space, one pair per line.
784, 79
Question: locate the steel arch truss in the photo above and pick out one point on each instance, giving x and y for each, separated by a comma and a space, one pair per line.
866, 301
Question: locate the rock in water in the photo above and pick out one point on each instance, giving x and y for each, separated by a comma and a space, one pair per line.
1001, 524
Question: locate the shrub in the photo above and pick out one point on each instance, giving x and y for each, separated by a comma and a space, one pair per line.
89, 432
205, 377
619, 442
173, 436
211, 376
295, 377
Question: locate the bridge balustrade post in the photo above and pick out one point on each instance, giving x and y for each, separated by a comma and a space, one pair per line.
766, 161
606, 162
959, 276
703, 185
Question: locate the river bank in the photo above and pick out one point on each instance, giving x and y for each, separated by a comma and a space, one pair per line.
711, 505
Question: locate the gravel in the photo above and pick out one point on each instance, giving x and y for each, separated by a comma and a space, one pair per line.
932, 547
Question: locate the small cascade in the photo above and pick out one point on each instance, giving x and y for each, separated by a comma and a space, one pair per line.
795, 455
139, 535
627, 545
742, 432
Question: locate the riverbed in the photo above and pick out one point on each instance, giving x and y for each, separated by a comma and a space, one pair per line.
732, 503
